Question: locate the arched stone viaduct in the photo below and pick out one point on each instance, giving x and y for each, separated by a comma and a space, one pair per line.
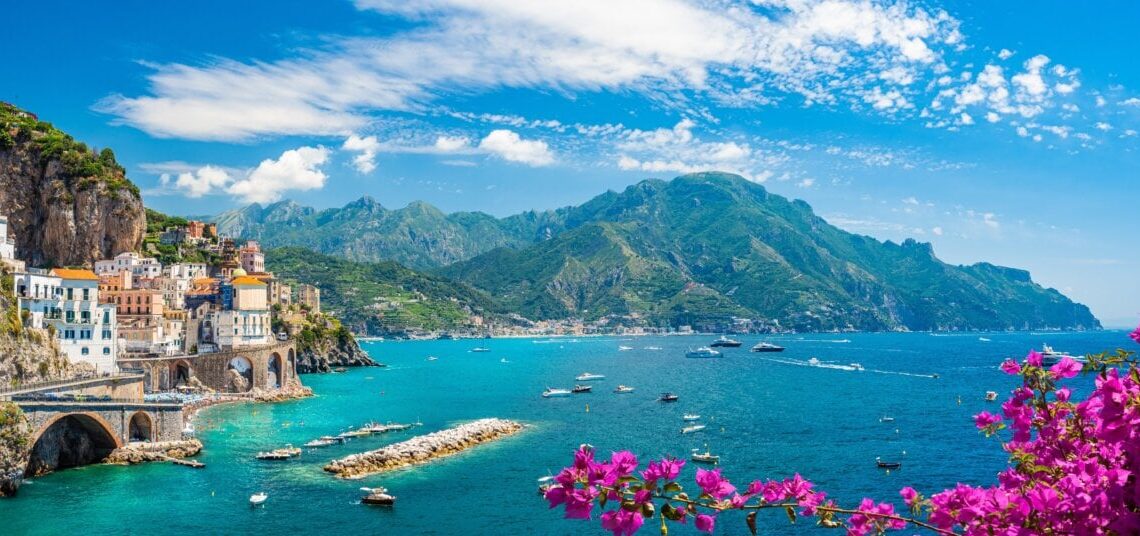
241, 370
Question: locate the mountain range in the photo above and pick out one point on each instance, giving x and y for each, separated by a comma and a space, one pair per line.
698, 249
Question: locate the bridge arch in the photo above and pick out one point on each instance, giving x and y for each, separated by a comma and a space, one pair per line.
239, 374
70, 440
141, 427
276, 370
180, 373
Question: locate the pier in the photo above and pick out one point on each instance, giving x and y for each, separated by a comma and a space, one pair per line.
422, 449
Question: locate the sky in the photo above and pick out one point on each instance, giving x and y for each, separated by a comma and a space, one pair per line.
1003, 132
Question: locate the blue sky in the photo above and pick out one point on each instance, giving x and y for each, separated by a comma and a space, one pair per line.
998, 131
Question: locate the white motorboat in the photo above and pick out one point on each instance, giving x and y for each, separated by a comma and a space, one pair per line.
258, 498
703, 352
378, 496
432, 358
320, 443
692, 429
504, 360
856, 366
553, 393
588, 376
885, 418
705, 457
767, 347
1050, 357
623, 389
813, 361
991, 396
689, 417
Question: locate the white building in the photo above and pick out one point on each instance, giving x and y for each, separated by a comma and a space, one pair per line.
187, 270
139, 266
248, 322
38, 293
86, 329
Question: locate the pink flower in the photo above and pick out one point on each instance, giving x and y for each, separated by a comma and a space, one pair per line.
1067, 367
622, 522
705, 523
712, 483
909, 495
1010, 366
982, 421
1063, 394
623, 463
1033, 359
796, 486
666, 469
1135, 335
580, 502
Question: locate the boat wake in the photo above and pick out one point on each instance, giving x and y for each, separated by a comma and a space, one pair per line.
836, 341
839, 366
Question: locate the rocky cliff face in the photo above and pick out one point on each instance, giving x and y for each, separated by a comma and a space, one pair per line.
66, 204
325, 344
15, 438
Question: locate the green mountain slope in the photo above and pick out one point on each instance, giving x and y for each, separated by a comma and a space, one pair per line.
380, 298
752, 254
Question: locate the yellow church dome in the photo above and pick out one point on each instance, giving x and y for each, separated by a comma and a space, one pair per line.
239, 273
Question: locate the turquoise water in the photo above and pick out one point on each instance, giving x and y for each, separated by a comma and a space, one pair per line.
767, 416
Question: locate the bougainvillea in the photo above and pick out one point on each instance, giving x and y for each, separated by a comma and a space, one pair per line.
1073, 470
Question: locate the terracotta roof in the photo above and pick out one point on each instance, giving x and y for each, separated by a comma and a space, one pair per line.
68, 273
247, 280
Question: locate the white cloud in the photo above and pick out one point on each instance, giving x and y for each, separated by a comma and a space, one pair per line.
990, 220
806, 183
296, 169
966, 119
1031, 81
937, 231
992, 117
1101, 125
1005, 54
1132, 101
910, 201
198, 183
365, 160
507, 145
451, 144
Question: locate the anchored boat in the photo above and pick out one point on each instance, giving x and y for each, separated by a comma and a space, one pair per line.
703, 352
668, 397
705, 457
725, 342
589, 376
553, 393
767, 347
581, 389
692, 429
623, 389
258, 498
378, 496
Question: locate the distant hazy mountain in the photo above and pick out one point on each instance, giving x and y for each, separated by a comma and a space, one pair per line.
698, 248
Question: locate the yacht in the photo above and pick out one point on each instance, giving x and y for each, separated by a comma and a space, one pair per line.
480, 349
551, 392
725, 342
767, 347
588, 376
378, 496
703, 352
545, 483
581, 389
668, 397
1050, 357
688, 417
692, 429
258, 498
623, 389
705, 457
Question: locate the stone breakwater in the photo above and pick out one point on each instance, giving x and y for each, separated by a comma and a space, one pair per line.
423, 448
154, 452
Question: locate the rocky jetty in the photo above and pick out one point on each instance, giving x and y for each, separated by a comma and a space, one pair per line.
423, 448
324, 344
160, 451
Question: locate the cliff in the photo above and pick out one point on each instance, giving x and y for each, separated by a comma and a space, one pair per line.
323, 344
66, 204
15, 438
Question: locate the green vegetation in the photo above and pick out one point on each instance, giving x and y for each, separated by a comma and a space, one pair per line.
156, 223
15, 440
380, 298
81, 164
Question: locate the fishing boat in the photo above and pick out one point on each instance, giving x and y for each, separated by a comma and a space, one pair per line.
581, 388
588, 376
319, 443
378, 496
703, 352
767, 347
552, 393
725, 342
887, 465
991, 396
258, 498
480, 349
689, 417
668, 397
623, 389
705, 457
693, 428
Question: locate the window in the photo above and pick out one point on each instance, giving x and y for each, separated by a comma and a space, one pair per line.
69, 295
85, 317
106, 334
106, 316
106, 350
70, 316
69, 334
85, 350
86, 294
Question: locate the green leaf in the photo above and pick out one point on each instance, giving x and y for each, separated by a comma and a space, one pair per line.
751, 520
791, 513
672, 487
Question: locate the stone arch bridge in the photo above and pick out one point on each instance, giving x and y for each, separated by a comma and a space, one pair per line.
240, 370
69, 434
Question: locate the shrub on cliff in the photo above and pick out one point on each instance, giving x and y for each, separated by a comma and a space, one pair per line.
15, 443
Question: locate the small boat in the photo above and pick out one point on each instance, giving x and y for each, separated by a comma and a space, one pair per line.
552, 393
290, 450
587, 376
432, 358
334, 439
273, 455
692, 429
625, 348
668, 397
885, 418
887, 465
725, 342
689, 417
856, 366
378, 496
703, 352
480, 349
983, 339
374, 428
397, 427
504, 360
581, 388
319, 443
623, 389
991, 396
1050, 357
767, 347
258, 498
705, 457
814, 361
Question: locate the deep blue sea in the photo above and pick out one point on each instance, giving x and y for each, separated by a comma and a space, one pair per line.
768, 415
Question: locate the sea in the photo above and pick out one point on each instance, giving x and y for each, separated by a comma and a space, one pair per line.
767, 416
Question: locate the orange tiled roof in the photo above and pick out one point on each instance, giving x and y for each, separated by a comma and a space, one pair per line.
68, 273
247, 280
